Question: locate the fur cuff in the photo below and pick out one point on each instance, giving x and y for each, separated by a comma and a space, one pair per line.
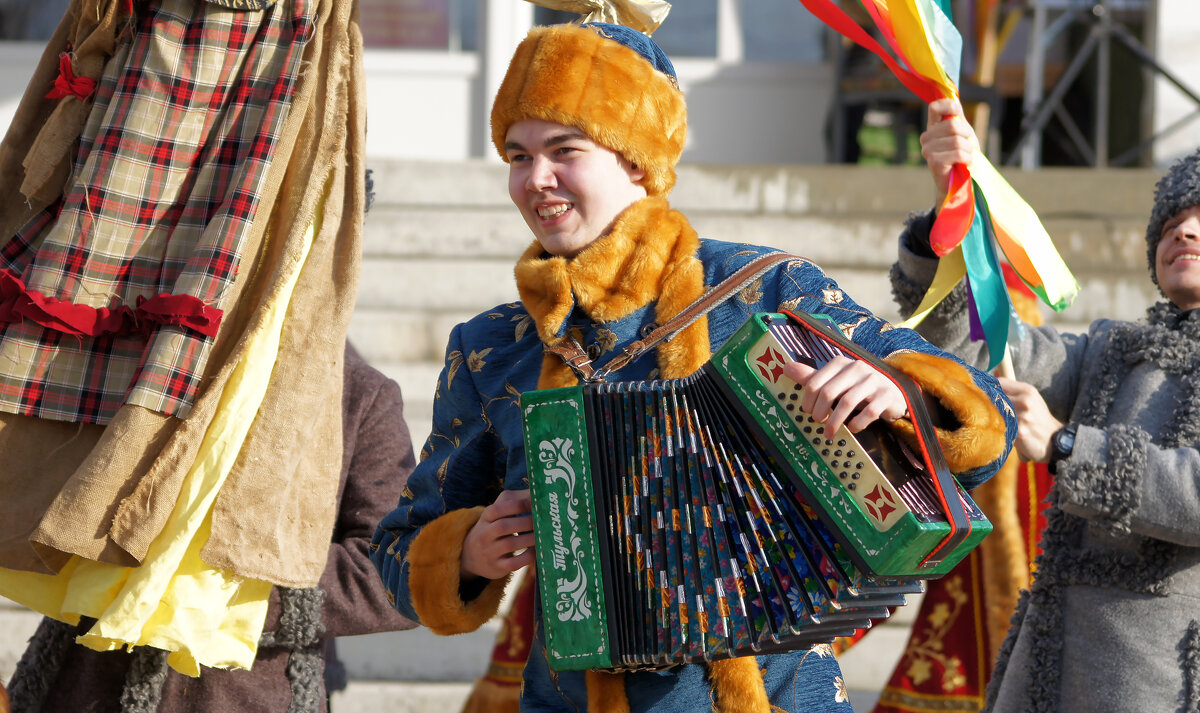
980, 437
606, 692
1111, 491
738, 684
434, 558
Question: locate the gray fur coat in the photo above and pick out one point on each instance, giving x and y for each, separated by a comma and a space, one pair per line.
1111, 620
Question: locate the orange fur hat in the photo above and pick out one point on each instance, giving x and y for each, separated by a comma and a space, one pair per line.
609, 81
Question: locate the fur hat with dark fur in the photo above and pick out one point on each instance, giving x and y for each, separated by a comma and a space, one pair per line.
613, 83
1177, 190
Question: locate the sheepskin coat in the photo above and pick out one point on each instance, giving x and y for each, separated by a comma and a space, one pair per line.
1111, 620
646, 270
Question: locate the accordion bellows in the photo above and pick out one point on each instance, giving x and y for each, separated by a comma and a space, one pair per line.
708, 517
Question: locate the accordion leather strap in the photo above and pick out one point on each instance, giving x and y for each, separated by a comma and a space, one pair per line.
574, 356
577, 359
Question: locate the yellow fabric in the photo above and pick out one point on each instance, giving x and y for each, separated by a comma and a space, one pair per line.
912, 31
204, 616
950, 270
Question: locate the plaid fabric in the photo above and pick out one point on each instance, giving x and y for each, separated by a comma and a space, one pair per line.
166, 184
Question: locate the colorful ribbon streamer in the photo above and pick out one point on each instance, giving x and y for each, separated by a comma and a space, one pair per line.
981, 211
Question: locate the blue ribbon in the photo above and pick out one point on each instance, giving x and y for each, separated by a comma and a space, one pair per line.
989, 295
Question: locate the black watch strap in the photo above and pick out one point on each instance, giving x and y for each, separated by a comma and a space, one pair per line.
1062, 444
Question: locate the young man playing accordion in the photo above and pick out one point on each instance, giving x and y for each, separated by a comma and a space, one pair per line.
591, 122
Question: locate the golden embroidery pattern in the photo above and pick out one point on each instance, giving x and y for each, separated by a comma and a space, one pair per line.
927, 649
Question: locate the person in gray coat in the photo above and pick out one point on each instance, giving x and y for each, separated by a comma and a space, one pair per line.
1110, 622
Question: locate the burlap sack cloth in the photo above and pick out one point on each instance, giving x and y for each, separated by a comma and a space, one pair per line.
104, 493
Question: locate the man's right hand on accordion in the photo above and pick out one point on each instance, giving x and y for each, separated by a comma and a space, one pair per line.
847, 391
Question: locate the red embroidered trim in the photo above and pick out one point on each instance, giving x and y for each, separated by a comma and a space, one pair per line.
67, 84
18, 303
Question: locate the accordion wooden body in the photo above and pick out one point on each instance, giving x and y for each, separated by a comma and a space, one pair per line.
707, 517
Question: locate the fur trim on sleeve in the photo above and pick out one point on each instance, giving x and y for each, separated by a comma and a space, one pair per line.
979, 438
1112, 490
434, 559
606, 692
738, 684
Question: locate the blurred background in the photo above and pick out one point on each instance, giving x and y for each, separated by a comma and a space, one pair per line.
796, 140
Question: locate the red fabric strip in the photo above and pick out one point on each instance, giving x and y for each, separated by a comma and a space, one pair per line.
1014, 281
832, 15
956, 214
18, 303
182, 310
66, 84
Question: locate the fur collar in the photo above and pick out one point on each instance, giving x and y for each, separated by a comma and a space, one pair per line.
649, 257
1170, 340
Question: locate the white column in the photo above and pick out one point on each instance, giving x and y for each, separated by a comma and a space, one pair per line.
729, 32
1177, 24
502, 26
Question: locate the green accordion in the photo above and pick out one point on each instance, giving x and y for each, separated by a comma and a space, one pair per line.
707, 517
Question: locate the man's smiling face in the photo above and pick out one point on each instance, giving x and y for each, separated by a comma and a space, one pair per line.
568, 188
1177, 259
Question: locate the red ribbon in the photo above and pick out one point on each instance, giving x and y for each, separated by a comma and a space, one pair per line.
835, 17
18, 303
956, 214
181, 310
68, 84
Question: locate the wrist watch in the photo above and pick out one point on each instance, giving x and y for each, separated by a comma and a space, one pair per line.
1062, 443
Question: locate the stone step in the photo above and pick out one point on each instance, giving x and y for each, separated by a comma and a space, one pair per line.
811, 189
1103, 243
400, 697
17, 626
419, 655
406, 697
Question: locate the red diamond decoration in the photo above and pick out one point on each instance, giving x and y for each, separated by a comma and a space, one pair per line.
880, 503
770, 364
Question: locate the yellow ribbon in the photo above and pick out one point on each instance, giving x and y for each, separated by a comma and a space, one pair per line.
912, 31
950, 270
642, 15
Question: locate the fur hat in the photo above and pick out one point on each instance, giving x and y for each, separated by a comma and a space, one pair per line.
1177, 190
613, 83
